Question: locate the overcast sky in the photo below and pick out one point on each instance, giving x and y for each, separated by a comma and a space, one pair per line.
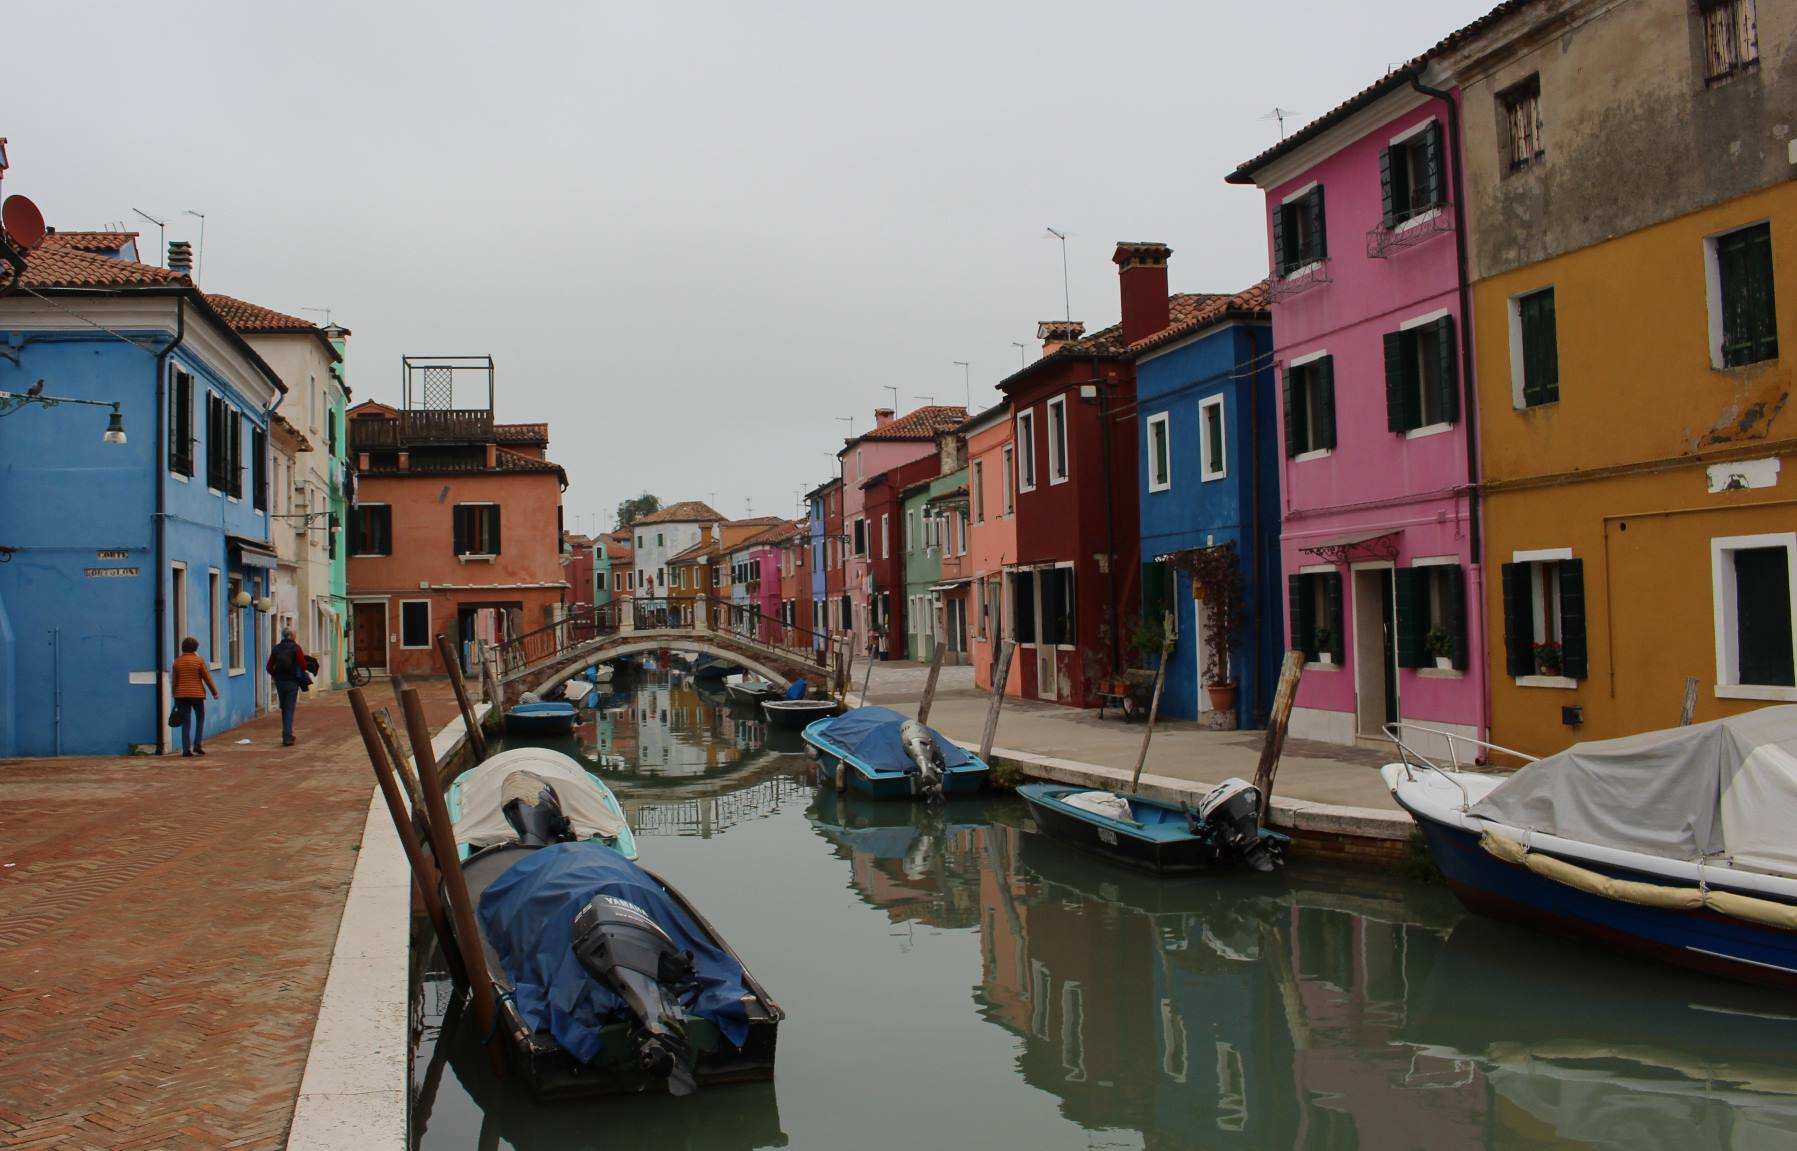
692, 235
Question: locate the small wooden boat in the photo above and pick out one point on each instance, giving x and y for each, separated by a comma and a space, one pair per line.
1672, 844
797, 714
478, 798
541, 717
1163, 837
749, 691
890, 756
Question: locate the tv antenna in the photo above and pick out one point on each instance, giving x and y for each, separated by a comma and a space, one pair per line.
966, 380
199, 267
1021, 347
327, 313
161, 237
894, 391
926, 399
1280, 114
1066, 292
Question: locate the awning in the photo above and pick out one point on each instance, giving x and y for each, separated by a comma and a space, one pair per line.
951, 584
251, 553
1376, 544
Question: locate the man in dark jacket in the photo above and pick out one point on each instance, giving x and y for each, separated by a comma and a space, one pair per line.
287, 667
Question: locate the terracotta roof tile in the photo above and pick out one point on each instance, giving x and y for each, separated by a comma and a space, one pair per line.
684, 512
1199, 311
98, 242
1108, 342
53, 266
522, 434
423, 464
925, 423
247, 317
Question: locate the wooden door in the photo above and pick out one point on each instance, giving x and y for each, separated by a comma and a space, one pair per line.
371, 635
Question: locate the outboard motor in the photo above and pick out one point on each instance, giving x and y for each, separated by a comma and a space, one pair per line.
628, 953
534, 810
921, 747
1229, 815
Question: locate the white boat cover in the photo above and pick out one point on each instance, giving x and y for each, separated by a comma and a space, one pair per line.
1104, 803
583, 798
1722, 789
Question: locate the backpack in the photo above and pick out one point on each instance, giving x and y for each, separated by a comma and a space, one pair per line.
282, 661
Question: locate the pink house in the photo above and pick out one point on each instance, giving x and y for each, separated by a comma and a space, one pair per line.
1380, 521
991, 538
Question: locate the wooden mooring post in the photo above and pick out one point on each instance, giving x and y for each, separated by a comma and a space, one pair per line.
1001, 673
1281, 717
1688, 711
1154, 703
452, 663
929, 686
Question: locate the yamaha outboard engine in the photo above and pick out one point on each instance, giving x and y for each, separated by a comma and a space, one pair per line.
921, 747
534, 810
1229, 815
628, 953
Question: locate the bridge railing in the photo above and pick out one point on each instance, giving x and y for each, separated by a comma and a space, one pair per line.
748, 622
583, 623
670, 614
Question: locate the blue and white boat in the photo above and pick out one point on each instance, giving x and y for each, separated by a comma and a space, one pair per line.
541, 717
1673, 844
1224, 828
891, 756
479, 797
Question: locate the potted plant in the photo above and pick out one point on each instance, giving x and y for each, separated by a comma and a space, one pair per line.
1217, 581
1440, 644
1146, 639
1324, 639
1547, 658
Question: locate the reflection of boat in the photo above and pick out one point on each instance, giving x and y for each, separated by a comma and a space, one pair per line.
1224, 829
497, 800
1674, 844
750, 690
541, 717
797, 714
578, 692
711, 667
599, 673
891, 757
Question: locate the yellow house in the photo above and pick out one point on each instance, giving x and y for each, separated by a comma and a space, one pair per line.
1632, 256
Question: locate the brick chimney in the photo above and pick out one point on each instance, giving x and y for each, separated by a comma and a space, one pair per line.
1055, 334
882, 417
180, 258
1142, 282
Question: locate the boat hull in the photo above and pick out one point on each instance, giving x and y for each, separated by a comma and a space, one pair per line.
540, 719
967, 779
1116, 841
796, 718
1702, 940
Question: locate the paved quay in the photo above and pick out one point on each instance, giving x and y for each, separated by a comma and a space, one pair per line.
166, 926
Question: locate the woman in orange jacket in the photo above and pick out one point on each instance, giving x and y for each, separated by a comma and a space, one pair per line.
191, 682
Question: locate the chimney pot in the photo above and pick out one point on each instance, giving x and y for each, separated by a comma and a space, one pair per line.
180, 258
882, 417
1056, 334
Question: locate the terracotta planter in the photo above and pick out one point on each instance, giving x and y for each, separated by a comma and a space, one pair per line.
1222, 696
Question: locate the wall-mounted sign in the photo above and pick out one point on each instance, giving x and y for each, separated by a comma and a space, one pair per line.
117, 554
111, 573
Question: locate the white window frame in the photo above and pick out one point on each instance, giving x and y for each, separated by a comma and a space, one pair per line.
1060, 464
1026, 449
1712, 291
1722, 586
1513, 307
1162, 422
1210, 469
234, 633
215, 587
1544, 610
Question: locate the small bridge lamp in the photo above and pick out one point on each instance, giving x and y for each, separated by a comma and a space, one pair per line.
115, 428
13, 401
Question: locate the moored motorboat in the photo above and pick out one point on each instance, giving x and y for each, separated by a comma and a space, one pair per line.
750, 690
1673, 844
890, 756
541, 717
1224, 828
489, 803
797, 714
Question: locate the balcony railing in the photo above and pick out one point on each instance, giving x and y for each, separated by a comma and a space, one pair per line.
422, 426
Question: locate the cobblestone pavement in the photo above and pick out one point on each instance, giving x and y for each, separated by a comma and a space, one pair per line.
165, 930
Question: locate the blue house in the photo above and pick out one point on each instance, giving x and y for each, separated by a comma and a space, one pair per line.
111, 551
1206, 397
817, 516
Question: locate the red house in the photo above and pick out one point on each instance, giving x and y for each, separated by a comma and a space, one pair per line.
1077, 575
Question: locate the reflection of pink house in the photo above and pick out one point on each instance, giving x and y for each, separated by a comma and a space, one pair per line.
893, 441
1380, 532
991, 538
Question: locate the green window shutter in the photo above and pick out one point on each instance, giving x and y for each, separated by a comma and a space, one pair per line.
1291, 424
1324, 398
1388, 209
459, 519
1540, 349
1574, 654
1297, 597
1332, 605
1280, 263
1319, 233
1447, 381
1434, 181
1519, 628
1453, 611
1412, 586
495, 539
1397, 405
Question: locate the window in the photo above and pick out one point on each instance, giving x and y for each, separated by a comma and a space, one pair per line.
330, 428
1314, 605
1023, 606
639, 541
477, 529
234, 626
180, 423
1756, 657
1213, 460
372, 530
1420, 380
1730, 38
1026, 451
979, 492
885, 541
1057, 440
1411, 181
661, 539
178, 601
860, 536
414, 623
1743, 323
217, 451
1521, 126
1534, 348
1058, 606
259, 469
1544, 616
213, 642
1431, 606
1008, 484
1299, 235
1160, 459
1310, 406
234, 453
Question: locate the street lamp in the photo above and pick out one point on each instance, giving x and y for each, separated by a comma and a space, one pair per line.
12, 401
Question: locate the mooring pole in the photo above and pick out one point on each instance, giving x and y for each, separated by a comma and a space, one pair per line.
929, 686
1281, 716
477, 739
407, 776
461, 908
1688, 710
424, 872
1001, 673
1154, 704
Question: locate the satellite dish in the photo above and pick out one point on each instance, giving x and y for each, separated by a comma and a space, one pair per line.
21, 220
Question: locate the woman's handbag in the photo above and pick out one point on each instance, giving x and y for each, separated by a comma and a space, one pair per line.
174, 716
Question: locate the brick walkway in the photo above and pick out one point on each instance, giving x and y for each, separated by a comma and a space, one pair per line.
165, 930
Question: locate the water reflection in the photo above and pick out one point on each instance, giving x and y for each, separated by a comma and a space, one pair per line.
657, 724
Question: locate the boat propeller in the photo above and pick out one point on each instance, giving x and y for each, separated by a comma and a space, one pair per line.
630, 955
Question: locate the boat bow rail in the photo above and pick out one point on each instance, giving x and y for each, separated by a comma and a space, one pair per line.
1411, 761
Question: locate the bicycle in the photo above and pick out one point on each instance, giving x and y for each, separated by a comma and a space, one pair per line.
357, 675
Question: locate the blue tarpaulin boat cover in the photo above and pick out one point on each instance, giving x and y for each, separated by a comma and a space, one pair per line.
871, 735
528, 915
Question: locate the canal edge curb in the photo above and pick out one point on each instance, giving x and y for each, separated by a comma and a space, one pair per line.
353, 1093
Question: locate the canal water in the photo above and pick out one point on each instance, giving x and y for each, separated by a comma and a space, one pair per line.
952, 979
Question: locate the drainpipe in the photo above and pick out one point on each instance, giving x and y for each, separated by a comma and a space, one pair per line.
1110, 518
1469, 405
1254, 516
161, 466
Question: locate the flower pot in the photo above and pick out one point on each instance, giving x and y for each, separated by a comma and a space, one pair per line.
1444, 662
1326, 658
1222, 696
